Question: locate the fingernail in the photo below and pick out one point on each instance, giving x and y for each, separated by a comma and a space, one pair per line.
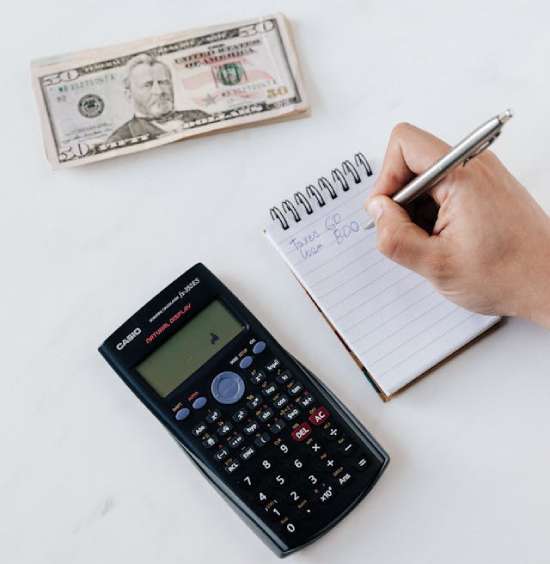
375, 209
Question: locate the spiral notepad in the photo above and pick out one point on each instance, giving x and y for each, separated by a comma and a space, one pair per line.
395, 325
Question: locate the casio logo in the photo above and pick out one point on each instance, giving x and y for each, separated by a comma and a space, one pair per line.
128, 339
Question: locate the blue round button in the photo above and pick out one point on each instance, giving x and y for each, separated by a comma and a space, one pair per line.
245, 362
199, 403
182, 414
227, 387
258, 347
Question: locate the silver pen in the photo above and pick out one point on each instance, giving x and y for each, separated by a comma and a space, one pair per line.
467, 149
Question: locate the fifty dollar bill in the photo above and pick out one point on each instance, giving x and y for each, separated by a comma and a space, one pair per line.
112, 101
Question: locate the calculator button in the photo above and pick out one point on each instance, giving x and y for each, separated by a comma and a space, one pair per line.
266, 414
247, 452
221, 454
280, 400
307, 400
258, 378
291, 414
312, 479
344, 479
208, 442
259, 347
301, 433
199, 429
213, 416
245, 362
277, 426
253, 401
239, 415
225, 429
361, 463
251, 428
295, 389
199, 403
273, 365
281, 447
227, 387
231, 465
279, 481
262, 439
269, 390
182, 414
333, 433
235, 441
283, 377
248, 481
314, 446
329, 463
319, 416
347, 448
326, 495
266, 464
297, 464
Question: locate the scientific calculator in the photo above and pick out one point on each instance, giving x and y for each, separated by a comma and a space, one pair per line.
270, 437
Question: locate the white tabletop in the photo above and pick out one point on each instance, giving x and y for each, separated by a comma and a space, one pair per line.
87, 474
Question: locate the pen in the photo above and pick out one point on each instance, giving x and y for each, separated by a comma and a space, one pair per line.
467, 149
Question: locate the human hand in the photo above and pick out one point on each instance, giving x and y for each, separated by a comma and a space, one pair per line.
490, 248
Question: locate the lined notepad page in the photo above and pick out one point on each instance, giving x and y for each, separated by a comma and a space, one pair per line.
392, 319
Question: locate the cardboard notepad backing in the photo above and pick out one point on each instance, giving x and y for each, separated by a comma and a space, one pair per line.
391, 320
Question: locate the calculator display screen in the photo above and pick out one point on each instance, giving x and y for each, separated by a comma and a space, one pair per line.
186, 351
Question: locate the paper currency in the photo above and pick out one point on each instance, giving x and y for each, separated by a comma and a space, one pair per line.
106, 102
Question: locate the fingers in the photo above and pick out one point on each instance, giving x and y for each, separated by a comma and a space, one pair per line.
410, 152
402, 240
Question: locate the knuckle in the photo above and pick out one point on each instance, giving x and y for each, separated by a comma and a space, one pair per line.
400, 129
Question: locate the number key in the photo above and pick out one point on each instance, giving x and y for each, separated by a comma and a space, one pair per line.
297, 464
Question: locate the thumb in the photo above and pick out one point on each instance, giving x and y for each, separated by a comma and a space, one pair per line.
399, 238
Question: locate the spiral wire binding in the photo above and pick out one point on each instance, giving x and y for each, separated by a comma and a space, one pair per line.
313, 193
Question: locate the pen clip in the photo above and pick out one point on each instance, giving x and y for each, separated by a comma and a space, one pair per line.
481, 148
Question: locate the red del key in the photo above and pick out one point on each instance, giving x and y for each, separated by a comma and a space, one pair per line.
301, 433
319, 416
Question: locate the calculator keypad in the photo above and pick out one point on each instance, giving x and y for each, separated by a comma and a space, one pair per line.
286, 454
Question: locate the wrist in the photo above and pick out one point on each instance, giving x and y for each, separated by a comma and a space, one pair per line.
536, 305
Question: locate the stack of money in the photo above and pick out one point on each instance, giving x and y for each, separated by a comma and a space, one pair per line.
112, 101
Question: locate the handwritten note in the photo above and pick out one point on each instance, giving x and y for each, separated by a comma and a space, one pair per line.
395, 323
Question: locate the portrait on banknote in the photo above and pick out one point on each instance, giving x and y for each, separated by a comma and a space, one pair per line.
149, 87
101, 103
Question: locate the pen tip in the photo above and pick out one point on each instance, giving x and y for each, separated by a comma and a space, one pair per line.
505, 115
369, 225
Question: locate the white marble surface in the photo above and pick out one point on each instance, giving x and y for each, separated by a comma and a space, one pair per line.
87, 475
